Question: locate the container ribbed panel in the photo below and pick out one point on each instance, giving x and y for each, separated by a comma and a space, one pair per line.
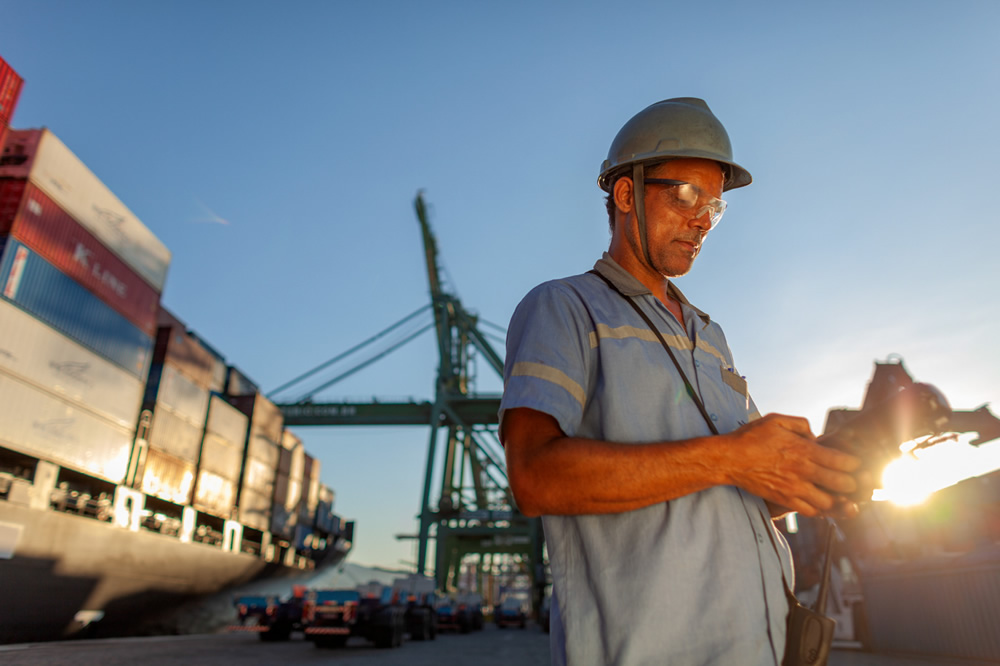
42, 425
214, 494
44, 357
38, 287
167, 477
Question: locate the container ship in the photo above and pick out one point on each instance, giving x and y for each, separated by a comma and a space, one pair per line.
138, 469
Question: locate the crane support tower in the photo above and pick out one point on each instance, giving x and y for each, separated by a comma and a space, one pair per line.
475, 512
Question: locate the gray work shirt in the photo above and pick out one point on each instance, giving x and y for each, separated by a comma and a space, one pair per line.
691, 581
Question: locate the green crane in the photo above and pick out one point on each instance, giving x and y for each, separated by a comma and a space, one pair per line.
475, 512
489, 523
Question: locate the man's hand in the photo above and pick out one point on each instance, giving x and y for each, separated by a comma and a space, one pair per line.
777, 458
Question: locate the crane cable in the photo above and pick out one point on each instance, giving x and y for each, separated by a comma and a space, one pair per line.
365, 364
350, 351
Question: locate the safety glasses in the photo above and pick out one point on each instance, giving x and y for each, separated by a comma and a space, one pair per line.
691, 199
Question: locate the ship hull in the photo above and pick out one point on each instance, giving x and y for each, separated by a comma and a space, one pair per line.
66, 570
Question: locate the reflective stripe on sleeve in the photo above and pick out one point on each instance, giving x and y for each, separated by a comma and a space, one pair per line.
550, 374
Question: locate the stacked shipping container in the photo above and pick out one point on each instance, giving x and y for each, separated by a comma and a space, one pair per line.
260, 460
10, 90
60, 401
177, 395
76, 318
40, 157
221, 459
288, 486
88, 356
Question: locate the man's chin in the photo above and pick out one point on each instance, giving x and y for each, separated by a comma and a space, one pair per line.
676, 269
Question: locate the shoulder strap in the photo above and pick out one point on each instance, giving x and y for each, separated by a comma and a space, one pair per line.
821, 598
659, 336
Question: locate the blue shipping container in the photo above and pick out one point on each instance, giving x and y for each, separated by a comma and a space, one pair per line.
41, 289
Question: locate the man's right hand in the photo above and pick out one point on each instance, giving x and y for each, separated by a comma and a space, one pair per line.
777, 458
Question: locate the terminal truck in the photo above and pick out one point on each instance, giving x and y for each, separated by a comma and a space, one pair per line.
371, 611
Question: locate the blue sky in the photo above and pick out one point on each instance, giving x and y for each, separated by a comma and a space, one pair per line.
870, 130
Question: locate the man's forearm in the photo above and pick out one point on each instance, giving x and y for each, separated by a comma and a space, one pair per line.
775, 457
567, 476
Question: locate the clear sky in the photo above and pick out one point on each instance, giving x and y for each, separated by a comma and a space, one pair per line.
276, 149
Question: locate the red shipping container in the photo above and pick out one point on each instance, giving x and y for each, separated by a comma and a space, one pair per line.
10, 90
44, 227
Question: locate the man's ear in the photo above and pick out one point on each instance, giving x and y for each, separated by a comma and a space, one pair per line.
624, 194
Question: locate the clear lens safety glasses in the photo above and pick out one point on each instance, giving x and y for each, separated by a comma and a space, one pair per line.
691, 199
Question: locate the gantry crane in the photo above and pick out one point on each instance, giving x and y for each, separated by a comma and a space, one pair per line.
475, 513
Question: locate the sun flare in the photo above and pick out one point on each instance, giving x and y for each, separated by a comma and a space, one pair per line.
914, 477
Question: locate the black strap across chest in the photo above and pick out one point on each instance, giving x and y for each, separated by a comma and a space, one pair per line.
659, 336
821, 601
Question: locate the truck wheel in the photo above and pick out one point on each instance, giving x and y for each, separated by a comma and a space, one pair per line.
282, 631
398, 629
420, 628
383, 637
384, 629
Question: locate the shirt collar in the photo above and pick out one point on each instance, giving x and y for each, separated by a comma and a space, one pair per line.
629, 285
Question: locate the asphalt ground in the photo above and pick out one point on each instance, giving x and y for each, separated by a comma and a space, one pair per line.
490, 647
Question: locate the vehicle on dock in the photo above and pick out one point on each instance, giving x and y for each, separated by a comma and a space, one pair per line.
373, 612
510, 613
417, 596
271, 618
471, 604
453, 617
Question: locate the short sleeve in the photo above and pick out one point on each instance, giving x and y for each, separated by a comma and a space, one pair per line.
550, 344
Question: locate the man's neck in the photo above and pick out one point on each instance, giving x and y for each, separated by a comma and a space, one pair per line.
657, 284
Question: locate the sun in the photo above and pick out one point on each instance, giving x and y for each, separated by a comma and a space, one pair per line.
904, 482
915, 476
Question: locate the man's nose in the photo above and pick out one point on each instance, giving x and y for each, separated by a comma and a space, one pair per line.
703, 218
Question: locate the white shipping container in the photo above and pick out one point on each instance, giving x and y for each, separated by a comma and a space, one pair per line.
42, 425
221, 457
287, 494
219, 372
298, 466
255, 509
327, 495
312, 494
227, 421
183, 396
262, 449
259, 476
174, 435
68, 181
167, 477
32, 351
294, 496
214, 494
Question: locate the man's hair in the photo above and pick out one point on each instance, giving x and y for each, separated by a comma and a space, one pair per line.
609, 202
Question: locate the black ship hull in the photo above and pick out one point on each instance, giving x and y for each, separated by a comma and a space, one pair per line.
71, 575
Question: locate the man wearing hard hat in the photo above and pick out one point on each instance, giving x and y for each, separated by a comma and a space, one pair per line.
629, 430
